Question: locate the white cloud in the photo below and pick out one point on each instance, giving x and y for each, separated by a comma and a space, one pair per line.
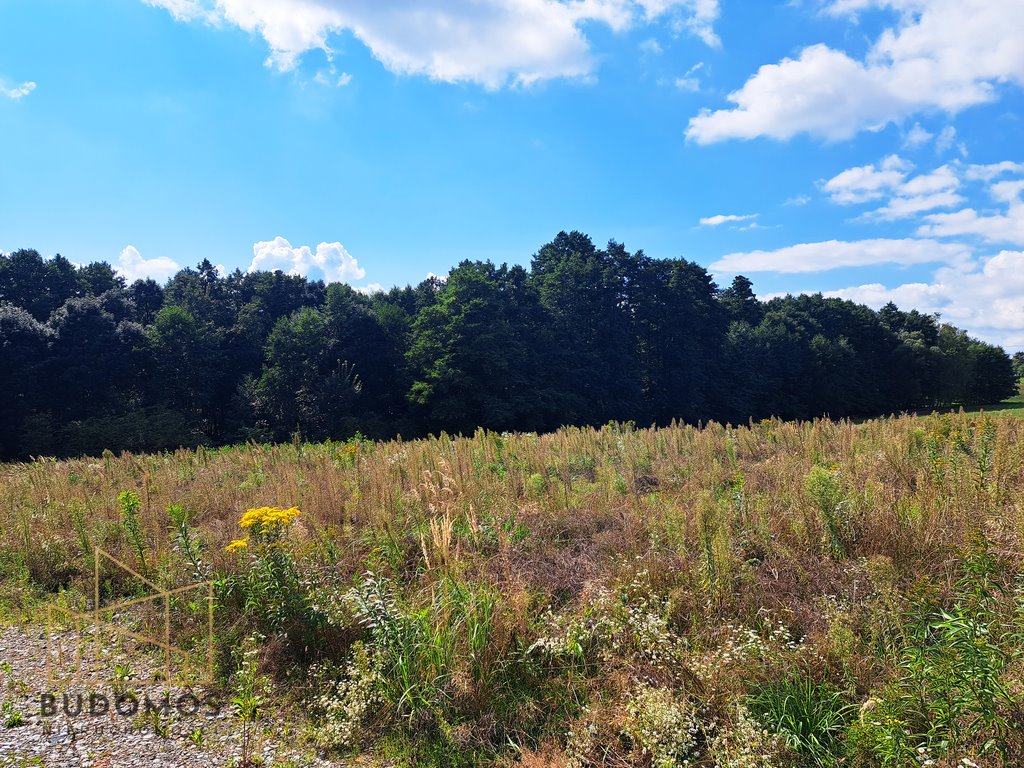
370, 289
945, 140
902, 207
491, 42
689, 81
330, 77
131, 266
944, 55
906, 197
330, 261
939, 180
922, 193
716, 221
797, 200
916, 136
187, 10
995, 228
700, 22
651, 47
16, 92
990, 172
833, 254
866, 182
989, 300
1005, 227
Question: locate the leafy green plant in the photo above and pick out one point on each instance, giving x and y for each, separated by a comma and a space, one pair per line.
268, 587
810, 716
416, 652
950, 685
825, 488
11, 716
248, 699
536, 484
130, 507
155, 720
122, 672
187, 541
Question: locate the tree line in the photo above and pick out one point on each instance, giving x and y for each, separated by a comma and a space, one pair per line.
586, 335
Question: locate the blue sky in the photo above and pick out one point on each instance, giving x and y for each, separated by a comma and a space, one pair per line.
867, 148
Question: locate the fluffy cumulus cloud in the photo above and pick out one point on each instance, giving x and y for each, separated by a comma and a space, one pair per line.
988, 300
1005, 224
974, 286
16, 92
867, 182
833, 254
907, 195
997, 227
920, 196
944, 55
132, 266
330, 261
490, 42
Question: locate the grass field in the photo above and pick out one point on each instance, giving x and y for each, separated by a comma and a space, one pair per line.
780, 594
1012, 407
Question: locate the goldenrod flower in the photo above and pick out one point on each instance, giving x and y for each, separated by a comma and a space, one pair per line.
236, 545
267, 517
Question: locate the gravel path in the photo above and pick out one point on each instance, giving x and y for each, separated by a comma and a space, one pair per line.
201, 739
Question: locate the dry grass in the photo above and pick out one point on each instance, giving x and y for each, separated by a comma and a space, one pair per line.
727, 526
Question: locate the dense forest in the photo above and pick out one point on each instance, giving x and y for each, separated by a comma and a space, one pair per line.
585, 336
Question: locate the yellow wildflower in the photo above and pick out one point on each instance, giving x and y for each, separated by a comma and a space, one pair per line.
266, 517
236, 545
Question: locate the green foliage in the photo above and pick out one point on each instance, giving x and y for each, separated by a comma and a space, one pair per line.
536, 484
950, 684
11, 716
132, 523
826, 490
417, 648
187, 541
268, 588
586, 335
248, 698
810, 716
